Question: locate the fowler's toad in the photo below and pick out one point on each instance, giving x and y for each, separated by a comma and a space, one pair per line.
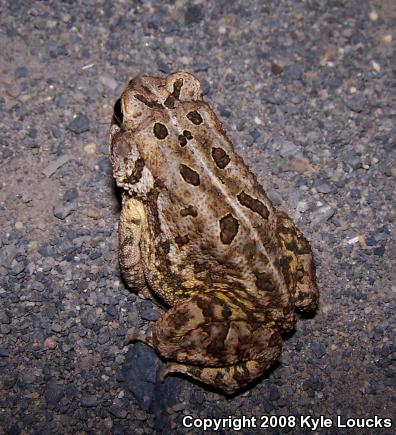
197, 230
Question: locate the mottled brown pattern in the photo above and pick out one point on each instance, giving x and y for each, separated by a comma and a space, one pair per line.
198, 231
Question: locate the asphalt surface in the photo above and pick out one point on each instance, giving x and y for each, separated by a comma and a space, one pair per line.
305, 90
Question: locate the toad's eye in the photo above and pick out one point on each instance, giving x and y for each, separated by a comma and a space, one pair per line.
118, 116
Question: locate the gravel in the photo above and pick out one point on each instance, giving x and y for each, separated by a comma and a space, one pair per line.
79, 125
304, 91
356, 103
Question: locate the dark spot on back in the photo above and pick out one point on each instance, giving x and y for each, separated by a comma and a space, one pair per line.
206, 306
181, 240
220, 157
170, 102
217, 339
187, 134
200, 267
285, 268
253, 204
292, 246
228, 228
171, 99
182, 140
226, 312
160, 130
189, 175
181, 317
177, 85
189, 211
145, 101
264, 281
195, 117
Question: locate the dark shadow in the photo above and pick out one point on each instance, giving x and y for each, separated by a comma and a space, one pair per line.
117, 191
308, 315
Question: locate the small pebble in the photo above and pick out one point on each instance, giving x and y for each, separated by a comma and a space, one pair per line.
51, 342
108, 81
55, 165
89, 401
193, 15
322, 214
356, 103
373, 15
90, 148
61, 211
323, 187
79, 124
288, 149
18, 225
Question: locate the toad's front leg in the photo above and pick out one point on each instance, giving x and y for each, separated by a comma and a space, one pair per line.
132, 228
132, 220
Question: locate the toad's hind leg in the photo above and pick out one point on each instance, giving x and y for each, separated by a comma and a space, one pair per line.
216, 341
299, 264
307, 294
132, 221
229, 378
